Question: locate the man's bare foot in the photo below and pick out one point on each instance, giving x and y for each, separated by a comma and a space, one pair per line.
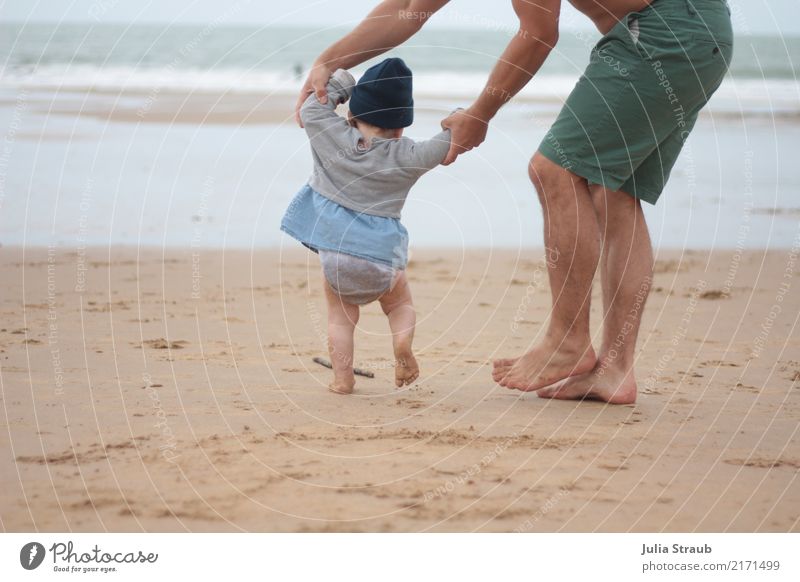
607, 385
406, 369
344, 385
545, 364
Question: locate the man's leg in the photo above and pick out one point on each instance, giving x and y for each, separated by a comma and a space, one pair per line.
571, 235
399, 309
627, 275
342, 320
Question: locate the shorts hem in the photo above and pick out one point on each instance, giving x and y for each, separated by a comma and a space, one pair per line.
596, 176
589, 173
649, 196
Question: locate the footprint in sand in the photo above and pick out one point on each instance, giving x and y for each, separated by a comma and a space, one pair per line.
714, 294
670, 266
765, 463
162, 344
409, 403
719, 363
107, 306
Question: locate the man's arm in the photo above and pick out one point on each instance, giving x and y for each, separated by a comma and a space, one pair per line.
522, 58
389, 24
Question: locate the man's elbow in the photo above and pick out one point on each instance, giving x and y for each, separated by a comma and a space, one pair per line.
549, 38
538, 21
414, 14
544, 36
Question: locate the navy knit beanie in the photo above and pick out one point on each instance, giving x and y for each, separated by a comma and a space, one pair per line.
383, 95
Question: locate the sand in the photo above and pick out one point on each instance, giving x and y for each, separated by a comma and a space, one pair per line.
168, 390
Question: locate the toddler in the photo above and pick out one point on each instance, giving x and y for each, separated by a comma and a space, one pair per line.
349, 211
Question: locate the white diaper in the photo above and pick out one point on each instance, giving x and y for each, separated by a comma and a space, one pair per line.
357, 281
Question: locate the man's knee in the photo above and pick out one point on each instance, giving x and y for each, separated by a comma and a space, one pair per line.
552, 182
539, 171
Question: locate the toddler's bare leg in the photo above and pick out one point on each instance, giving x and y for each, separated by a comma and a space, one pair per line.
342, 320
397, 306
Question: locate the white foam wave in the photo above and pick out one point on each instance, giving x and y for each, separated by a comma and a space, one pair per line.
743, 95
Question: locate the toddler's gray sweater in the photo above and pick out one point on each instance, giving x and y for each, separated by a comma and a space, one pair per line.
372, 179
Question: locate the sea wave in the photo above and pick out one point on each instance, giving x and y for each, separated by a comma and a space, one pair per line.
760, 96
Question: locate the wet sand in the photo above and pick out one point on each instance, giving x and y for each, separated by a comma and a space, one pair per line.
169, 390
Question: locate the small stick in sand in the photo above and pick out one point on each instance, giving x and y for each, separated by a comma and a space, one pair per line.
356, 371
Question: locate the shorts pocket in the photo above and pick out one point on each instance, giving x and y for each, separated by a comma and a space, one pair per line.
707, 40
632, 24
711, 58
623, 37
706, 46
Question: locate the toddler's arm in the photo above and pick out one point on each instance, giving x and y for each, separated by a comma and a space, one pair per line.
321, 122
428, 154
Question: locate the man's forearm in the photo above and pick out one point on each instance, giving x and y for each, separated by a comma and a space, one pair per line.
389, 24
520, 61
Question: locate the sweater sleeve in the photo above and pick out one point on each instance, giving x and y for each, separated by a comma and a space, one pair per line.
428, 154
323, 125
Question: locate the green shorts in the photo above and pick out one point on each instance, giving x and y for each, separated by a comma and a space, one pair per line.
625, 122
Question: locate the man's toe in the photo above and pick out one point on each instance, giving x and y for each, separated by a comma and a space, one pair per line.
508, 381
502, 370
546, 392
501, 378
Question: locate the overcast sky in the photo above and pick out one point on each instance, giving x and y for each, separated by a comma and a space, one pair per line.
750, 16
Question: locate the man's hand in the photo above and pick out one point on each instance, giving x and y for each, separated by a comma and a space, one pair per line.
467, 131
316, 83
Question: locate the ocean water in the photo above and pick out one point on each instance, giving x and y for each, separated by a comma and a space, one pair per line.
192, 47
73, 179
764, 75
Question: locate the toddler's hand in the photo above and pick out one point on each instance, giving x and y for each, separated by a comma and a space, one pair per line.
316, 83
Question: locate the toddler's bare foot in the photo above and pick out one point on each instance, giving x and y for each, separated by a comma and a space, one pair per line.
406, 369
343, 385
397, 306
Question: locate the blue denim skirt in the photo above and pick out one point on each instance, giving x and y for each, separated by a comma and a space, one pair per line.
321, 223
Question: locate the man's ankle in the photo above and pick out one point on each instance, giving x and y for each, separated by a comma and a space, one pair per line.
569, 339
615, 362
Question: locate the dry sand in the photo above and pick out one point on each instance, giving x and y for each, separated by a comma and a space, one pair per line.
175, 391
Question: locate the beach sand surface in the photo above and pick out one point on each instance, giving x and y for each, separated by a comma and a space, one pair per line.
174, 390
